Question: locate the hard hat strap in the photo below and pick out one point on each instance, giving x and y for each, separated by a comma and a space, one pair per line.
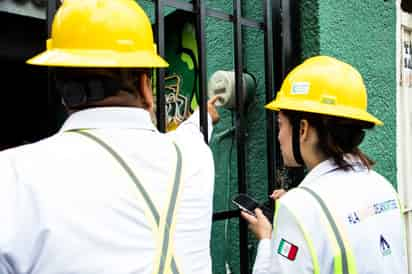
295, 121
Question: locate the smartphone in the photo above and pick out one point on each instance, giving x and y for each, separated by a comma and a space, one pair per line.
246, 203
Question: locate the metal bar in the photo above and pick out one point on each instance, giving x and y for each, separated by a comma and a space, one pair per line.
213, 13
201, 45
251, 23
180, 5
240, 131
278, 77
269, 87
217, 216
52, 6
219, 15
240, 115
228, 17
290, 23
160, 79
277, 42
289, 52
285, 38
286, 55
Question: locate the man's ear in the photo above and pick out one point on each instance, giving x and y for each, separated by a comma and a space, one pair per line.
145, 92
304, 130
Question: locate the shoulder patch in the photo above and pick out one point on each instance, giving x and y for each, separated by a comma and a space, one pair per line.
288, 250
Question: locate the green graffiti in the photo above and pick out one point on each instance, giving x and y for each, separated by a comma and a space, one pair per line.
181, 87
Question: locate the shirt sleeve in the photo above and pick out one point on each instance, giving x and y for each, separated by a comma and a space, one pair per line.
22, 234
192, 126
5, 267
8, 207
287, 252
290, 247
263, 257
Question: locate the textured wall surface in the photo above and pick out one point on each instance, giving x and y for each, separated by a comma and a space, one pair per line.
309, 28
362, 33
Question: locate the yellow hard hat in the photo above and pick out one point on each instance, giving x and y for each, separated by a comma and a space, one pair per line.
324, 85
100, 33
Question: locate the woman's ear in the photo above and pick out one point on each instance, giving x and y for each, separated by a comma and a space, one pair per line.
304, 130
145, 92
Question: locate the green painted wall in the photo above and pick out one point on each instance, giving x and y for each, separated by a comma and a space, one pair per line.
220, 56
361, 33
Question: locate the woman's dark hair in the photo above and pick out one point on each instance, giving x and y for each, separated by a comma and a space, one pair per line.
337, 136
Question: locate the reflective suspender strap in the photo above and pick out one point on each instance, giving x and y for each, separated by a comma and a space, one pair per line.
168, 220
344, 262
308, 239
275, 214
166, 224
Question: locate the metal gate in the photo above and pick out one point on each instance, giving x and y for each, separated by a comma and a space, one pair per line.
279, 26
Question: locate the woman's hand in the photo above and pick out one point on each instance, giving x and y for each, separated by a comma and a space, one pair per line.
276, 194
260, 225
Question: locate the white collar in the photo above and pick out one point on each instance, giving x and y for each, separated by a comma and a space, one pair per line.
319, 170
328, 166
109, 117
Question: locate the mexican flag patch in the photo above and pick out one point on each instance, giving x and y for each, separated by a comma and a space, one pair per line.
287, 250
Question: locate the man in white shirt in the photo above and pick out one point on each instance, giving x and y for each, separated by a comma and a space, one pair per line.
108, 193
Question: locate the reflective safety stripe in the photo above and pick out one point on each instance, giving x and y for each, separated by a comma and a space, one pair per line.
275, 214
168, 222
167, 263
344, 262
308, 239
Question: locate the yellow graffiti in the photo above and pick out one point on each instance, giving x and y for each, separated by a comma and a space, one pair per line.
176, 104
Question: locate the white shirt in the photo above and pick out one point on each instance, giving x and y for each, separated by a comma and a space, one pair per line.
66, 206
366, 210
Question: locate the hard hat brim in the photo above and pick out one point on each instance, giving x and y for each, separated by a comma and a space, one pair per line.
325, 109
98, 59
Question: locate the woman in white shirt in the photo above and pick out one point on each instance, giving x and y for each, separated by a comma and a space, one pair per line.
343, 217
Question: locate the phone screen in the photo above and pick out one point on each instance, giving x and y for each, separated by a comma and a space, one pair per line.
246, 203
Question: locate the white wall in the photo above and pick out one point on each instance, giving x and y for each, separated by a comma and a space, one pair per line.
404, 119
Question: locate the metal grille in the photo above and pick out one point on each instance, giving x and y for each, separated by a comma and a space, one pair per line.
200, 10
280, 52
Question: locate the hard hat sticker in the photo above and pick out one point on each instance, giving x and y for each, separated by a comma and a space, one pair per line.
300, 88
329, 100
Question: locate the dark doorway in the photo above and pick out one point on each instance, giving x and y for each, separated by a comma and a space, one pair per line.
25, 103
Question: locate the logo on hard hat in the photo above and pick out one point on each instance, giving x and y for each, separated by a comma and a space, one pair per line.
300, 88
